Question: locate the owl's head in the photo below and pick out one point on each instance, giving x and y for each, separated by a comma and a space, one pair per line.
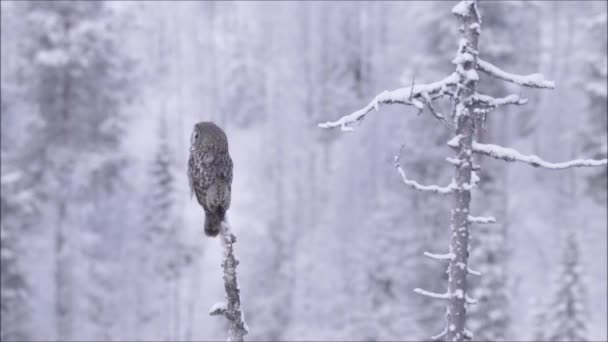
207, 135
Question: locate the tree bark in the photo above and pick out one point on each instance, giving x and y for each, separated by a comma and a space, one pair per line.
232, 309
465, 131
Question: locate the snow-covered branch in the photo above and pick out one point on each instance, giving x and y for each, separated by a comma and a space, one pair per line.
488, 103
481, 219
440, 335
469, 300
533, 80
509, 154
473, 272
414, 95
232, 308
468, 334
445, 190
432, 294
448, 256
457, 294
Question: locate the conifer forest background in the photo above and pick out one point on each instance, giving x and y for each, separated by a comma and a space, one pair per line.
102, 241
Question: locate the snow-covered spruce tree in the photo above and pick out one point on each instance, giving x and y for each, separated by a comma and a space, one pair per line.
566, 318
539, 319
12, 286
78, 82
16, 208
162, 257
469, 108
14, 201
594, 136
243, 93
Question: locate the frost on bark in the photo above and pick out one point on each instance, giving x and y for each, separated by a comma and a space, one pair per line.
469, 111
231, 309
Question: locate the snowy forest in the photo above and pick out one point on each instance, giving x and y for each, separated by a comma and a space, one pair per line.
101, 240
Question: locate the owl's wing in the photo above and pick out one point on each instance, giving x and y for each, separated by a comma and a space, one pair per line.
224, 169
229, 172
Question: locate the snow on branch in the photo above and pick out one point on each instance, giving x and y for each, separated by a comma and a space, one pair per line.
415, 185
448, 256
473, 272
533, 80
218, 309
432, 294
232, 308
481, 219
440, 335
458, 294
414, 95
465, 8
468, 334
469, 300
509, 154
488, 103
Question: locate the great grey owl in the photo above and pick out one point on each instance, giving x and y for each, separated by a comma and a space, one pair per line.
210, 173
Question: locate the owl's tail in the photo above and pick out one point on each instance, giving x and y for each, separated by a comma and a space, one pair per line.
213, 223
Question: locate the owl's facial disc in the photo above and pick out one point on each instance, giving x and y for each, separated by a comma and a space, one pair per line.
194, 139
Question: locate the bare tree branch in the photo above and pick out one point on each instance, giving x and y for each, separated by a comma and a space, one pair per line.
429, 102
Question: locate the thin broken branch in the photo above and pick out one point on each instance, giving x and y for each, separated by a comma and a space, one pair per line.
432, 294
441, 190
481, 219
473, 272
469, 300
458, 294
440, 335
429, 103
447, 256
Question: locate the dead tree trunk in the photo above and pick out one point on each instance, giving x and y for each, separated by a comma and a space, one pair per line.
232, 308
466, 62
470, 107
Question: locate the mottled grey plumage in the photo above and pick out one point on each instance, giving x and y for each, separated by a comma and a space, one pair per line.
210, 173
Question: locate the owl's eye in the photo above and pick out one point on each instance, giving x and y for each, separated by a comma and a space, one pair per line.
195, 136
